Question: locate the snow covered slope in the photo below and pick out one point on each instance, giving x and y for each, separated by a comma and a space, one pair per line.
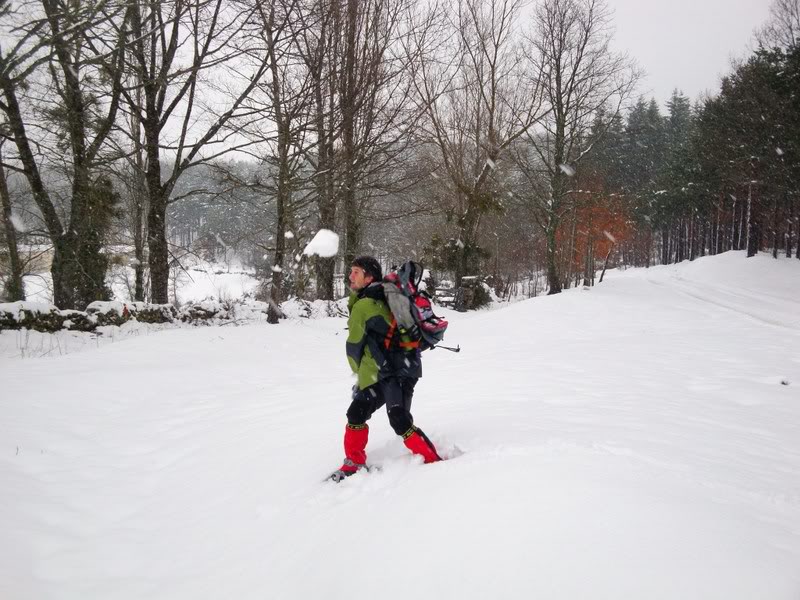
636, 441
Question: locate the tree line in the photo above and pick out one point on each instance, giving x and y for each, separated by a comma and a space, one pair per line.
480, 136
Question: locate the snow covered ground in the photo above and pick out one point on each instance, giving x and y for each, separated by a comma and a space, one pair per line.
200, 280
635, 441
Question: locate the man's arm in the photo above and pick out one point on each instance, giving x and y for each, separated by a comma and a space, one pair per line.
356, 337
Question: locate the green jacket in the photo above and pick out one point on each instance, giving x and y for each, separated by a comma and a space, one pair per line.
369, 324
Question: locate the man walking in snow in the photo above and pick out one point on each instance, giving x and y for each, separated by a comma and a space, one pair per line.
387, 366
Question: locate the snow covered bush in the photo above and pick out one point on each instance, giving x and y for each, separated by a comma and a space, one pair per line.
30, 315
75, 320
304, 309
206, 311
117, 313
154, 313
109, 313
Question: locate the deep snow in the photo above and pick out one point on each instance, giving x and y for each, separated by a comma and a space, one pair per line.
637, 440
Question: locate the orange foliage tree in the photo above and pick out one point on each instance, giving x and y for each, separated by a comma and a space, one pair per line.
600, 222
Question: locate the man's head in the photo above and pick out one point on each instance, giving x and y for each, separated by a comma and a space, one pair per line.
363, 271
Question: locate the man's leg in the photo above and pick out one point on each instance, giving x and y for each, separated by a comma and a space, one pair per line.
356, 433
398, 394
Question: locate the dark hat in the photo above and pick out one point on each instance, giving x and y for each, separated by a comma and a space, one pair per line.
370, 265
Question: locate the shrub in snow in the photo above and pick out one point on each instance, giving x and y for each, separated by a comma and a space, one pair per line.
249, 310
303, 309
154, 313
117, 313
205, 311
75, 320
482, 296
473, 294
109, 313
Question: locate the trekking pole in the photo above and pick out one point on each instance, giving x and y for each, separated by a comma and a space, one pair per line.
456, 349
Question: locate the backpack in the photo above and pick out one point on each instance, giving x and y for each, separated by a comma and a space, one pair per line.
411, 309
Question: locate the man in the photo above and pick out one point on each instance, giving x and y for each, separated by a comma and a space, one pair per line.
387, 366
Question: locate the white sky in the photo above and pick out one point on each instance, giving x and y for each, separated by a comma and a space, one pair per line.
686, 44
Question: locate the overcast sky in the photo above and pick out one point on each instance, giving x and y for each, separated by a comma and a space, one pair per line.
686, 44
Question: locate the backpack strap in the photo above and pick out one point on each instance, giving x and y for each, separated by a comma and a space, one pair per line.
394, 333
387, 341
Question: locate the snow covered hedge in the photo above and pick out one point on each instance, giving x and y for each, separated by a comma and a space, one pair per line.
48, 319
31, 315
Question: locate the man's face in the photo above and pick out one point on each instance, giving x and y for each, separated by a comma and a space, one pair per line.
359, 279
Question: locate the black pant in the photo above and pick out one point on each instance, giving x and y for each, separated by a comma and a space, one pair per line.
394, 392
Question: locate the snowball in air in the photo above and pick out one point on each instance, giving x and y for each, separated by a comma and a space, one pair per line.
567, 170
325, 244
18, 223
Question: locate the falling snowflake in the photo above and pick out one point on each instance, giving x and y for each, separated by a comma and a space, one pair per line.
567, 170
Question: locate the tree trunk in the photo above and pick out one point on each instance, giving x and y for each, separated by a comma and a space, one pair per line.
553, 280
274, 312
572, 240
466, 257
587, 263
139, 202
748, 227
775, 228
752, 233
605, 263
282, 199
797, 237
324, 268
139, 234
14, 288
158, 256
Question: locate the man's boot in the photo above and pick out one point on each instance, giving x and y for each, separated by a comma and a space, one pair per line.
416, 441
355, 456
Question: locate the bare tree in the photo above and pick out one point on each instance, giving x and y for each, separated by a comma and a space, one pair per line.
318, 46
64, 63
357, 55
570, 46
480, 97
284, 101
175, 42
783, 28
